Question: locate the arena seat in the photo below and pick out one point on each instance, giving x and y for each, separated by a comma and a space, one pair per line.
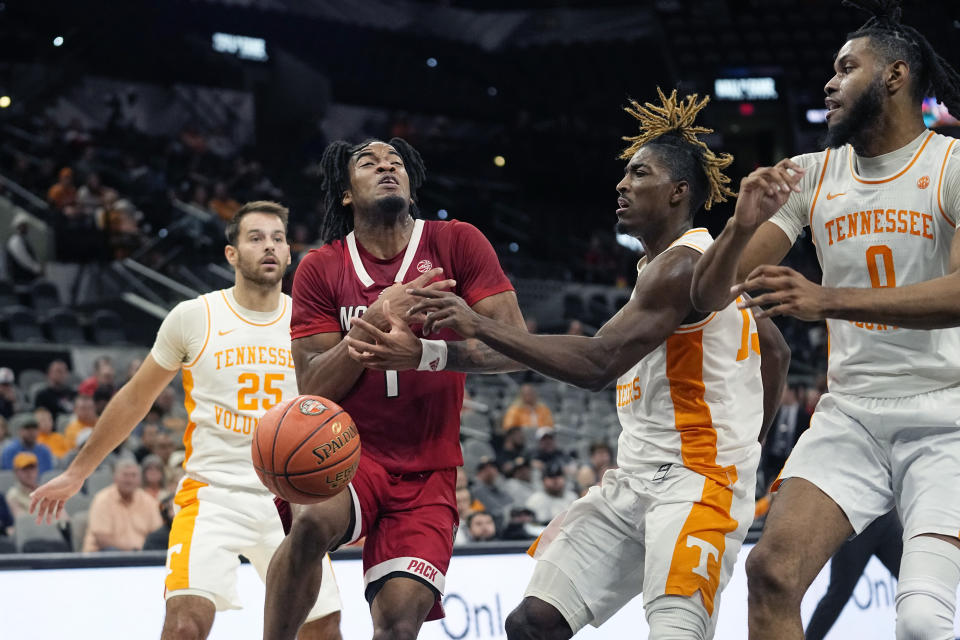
31, 537
99, 479
63, 326
21, 325
78, 528
8, 295
106, 327
44, 296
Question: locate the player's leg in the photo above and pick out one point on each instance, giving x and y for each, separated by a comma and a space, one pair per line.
188, 618
325, 628
846, 567
296, 569
927, 589
678, 618
535, 619
789, 556
400, 608
838, 477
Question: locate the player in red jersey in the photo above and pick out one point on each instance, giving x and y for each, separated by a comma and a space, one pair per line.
403, 495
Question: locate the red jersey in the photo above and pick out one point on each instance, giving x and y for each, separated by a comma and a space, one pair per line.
409, 421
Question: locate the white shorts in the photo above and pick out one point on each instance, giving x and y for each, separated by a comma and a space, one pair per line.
213, 526
872, 454
678, 535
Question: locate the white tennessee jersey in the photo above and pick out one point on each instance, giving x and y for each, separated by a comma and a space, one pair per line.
891, 231
697, 399
236, 364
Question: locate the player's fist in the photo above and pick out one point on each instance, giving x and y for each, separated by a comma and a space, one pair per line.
764, 191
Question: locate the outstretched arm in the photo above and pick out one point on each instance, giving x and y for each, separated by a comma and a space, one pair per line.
934, 304
660, 304
119, 417
748, 239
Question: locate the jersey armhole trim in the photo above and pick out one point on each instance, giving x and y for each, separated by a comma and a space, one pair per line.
696, 326
816, 195
206, 336
943, 167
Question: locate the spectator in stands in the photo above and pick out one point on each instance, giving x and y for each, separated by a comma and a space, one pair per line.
519, 480
521, 525
149, 429
547, 452
104, 375
514, 446
23, 267
222, 204
159, 539
46, 434
63, 193
488, 490
527, 410
90, 195
465, 506
57, 397
27, 443
25, 468
553, 498
6, 527
575, 328
84, 417
119, 223
481, 527
154, 475
601, 459
200, 197
586, 478
122, 514
8, 393
163, 447
102, 396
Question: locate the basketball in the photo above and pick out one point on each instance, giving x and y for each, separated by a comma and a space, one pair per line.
306, 450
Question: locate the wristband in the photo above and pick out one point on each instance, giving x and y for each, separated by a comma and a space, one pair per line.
434, 357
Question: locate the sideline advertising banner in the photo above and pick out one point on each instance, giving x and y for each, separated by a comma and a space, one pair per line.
128, 602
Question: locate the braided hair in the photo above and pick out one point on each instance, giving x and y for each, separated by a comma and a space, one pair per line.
337, 219
893, 40
670, 127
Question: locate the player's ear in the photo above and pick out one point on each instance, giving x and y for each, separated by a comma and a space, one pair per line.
896, 76
230, 252
680, 190
347, 199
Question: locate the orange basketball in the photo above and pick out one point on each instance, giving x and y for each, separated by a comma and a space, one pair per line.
306, 449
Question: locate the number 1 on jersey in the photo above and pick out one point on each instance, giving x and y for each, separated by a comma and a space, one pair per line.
393, 387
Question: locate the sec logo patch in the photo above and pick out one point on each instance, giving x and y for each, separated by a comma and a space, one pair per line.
424, 265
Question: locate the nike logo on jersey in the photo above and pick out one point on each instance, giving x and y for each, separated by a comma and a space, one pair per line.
831, 196
223, 333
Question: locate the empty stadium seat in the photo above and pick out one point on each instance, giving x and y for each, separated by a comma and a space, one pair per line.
78, 528
7, 480
106, 327
8, 295
31, 537
44, 296
22, 326
63, 326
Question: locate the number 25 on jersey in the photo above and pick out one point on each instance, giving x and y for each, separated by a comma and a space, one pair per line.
251, 384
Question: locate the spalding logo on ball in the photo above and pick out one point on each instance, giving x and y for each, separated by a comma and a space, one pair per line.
307, 455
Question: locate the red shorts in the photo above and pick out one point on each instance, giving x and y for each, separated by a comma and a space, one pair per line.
409, 521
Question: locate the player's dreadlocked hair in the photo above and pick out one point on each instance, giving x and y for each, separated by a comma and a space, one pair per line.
670, 127
893, 40
335, 179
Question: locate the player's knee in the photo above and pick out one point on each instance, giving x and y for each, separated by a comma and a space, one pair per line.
400, 629
922, 616
768, 578
181, 626
314, 531
677, 618
534, 619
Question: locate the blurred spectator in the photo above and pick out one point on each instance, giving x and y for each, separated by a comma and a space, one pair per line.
57, 397
84, 417
521, 525
122, 514
547, 452
46, 434
63, 193
154, 475
514, 446
23, 266
8, 393
487, 489
527, 410
601, 459
148, 436
90, 195
4, 432
519, 481
222, 204
104, 375
786, 429
6, 527
119, 222
27, 443
586, 478
163, 447
553, 498
481, 527
101, 397
200, 197
159, 539
575, 328
25, 469
465, 506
